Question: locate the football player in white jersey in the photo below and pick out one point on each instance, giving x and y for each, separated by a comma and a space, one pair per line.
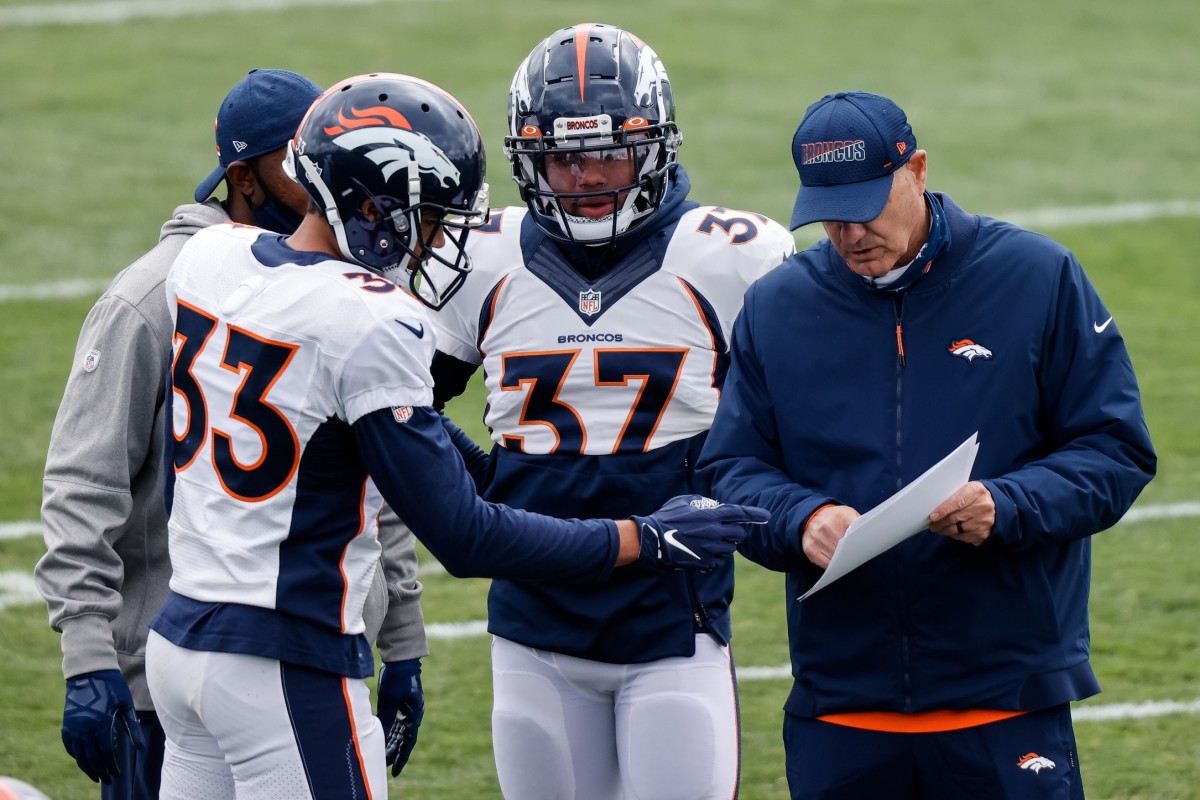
600, 313
301, 400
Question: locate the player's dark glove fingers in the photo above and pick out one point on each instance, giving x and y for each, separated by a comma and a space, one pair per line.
101, 764
104, 748
129, 727
400, 708
737, 516
414, 713
86, 755
401, 740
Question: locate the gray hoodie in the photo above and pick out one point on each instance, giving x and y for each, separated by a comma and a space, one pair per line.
106, 567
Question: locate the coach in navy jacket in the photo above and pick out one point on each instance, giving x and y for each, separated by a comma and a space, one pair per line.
856, 366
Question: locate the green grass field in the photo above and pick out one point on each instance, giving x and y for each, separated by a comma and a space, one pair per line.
105, 127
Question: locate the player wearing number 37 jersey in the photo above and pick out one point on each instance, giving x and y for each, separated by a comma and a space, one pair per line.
301, 400
600, 314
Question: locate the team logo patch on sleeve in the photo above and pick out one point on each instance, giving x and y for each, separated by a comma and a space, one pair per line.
402, 414
965, 348
91, 361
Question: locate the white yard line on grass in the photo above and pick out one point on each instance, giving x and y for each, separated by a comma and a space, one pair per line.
19, 530
1039, 219
54, 290
456, 630
110, 12
1118, 711
1164, 511
1102, 215
17, 589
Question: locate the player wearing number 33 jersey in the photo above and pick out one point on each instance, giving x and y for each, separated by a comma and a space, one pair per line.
248, 367
601, 316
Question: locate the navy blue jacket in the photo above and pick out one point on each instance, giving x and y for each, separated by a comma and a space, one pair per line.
1003, 335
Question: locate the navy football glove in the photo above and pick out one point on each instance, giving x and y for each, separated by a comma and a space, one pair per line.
400, 707
98, 720
694, 532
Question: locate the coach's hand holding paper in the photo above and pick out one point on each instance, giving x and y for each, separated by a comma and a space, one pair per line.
901, 515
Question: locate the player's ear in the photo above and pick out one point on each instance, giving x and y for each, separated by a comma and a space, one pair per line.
241, 179
369, 210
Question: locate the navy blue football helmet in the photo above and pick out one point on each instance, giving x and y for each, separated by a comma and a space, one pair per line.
410, 149
592, 91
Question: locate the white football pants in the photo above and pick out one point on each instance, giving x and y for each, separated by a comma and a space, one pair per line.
243, 727
567, 728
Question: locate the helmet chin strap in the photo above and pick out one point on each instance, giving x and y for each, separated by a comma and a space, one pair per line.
403, 220
331, 213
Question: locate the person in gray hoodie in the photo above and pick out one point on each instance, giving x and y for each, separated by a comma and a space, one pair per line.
106, 569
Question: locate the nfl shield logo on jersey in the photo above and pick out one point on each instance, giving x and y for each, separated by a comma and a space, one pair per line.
91, 361
402, 413
589, 303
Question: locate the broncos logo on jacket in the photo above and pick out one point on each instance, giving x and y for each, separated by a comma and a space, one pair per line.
965, 348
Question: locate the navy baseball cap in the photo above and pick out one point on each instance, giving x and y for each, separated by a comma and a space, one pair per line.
260, 114
846, 149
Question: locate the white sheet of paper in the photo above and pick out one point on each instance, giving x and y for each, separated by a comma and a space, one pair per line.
901, 515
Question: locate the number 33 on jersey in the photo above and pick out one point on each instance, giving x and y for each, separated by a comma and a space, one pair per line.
263, 399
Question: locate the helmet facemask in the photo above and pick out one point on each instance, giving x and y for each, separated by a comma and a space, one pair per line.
444, 268
534, 157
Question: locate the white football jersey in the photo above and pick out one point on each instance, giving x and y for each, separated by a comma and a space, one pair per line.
275, 354
624, 364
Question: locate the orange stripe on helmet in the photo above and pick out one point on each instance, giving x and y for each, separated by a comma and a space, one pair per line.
582, 33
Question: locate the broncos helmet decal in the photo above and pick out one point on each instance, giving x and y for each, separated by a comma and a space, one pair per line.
396, 147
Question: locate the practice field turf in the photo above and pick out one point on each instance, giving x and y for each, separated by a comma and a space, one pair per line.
1080, 117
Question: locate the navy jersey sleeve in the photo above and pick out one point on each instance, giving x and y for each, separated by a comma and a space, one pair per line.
423, 478
743, 460
1098, 454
